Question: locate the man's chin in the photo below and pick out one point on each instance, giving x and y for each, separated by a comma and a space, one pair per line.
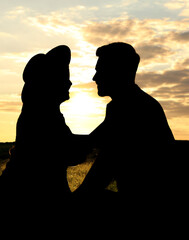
67, 98
102, 94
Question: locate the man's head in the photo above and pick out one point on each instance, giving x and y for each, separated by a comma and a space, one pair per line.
116, 68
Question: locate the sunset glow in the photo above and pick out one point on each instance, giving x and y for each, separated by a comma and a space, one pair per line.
157, 29
83, 113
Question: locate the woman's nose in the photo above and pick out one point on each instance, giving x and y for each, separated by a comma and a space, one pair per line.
68, 84
95, 77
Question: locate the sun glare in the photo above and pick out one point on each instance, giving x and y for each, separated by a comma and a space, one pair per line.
83, 113
82, 104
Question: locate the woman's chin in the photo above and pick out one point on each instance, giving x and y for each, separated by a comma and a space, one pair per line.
65, 98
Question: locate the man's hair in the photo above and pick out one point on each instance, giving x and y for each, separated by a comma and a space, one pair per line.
120, 55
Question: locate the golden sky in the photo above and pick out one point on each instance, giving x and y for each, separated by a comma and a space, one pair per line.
159, 31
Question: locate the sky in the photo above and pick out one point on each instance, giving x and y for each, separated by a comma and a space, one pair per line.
157, 29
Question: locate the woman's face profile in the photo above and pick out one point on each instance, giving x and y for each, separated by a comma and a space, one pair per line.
61, 85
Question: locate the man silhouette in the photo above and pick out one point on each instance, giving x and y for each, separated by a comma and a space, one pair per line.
135, 132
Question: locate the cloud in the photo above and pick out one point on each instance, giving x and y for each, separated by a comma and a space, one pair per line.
180, 5
115, 30
175, 4
10, 103
6, 35
185, 12
35, 31
181, 37
170, 88
158, 41
132, 29
182, 64
174, 109
154, 39
149, 52
18, 11
154, 79
56, 22
90, 86
10, 107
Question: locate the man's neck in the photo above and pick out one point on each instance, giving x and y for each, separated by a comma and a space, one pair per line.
124, 92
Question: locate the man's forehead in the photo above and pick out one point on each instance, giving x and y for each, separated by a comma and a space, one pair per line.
103, 62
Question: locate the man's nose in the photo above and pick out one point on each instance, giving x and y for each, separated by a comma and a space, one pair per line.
70, 83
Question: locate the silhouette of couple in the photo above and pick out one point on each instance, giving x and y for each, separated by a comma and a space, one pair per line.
130, 140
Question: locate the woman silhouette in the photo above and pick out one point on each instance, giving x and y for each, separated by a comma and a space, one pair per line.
43, 140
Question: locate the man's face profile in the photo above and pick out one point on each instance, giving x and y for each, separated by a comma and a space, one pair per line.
104, 77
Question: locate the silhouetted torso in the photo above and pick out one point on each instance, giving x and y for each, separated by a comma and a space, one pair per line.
140, 136
43, 146
37, 168
131, 139
137, 117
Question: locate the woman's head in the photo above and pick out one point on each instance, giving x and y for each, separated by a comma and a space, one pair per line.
46, 76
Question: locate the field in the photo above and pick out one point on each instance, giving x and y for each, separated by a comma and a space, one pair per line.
75, 174
4, 155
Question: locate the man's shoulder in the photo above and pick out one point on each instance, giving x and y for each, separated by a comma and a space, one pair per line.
147, 99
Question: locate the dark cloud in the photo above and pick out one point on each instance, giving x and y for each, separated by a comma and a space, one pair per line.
181, 37
185, 63
98, 33
182, 64
148, 52
174, 109
154, 79
171, 90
